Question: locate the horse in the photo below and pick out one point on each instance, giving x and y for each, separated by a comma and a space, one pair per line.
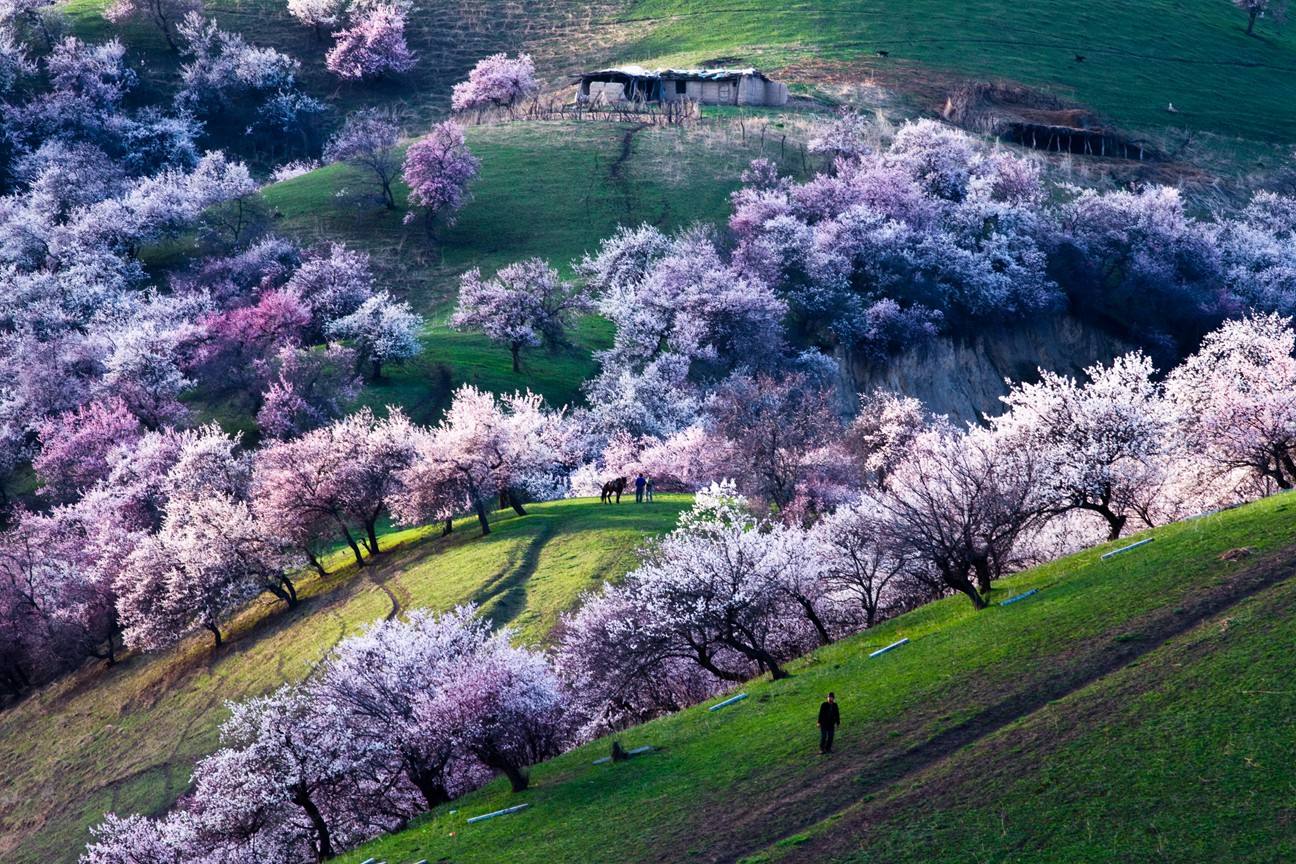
613, 487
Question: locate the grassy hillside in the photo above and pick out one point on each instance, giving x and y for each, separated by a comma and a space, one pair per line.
447, 38
547, 189
125, 738
1136, 709
1138, 57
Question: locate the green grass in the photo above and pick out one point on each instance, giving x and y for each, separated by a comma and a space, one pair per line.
125, 738
1124, 637
1139, 57
547, 189
1184, 757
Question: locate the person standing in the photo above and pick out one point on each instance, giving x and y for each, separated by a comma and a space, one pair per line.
639, 489
648, 486
829, 720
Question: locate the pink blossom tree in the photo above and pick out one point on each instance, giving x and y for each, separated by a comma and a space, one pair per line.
1102, 447
772, 426
334, 282
960, 504
380, 680
139, 840
713, 591
373, 46
166, 15
484, 447
210, 557
525, 304
336, 479
497, 80
438, 168
320, 15
881, 433
614, 679
288, 767
846, 137
75, 446
367, 140
503, 706
239, 341
311, 388
1235, 399
382, 329
860, 565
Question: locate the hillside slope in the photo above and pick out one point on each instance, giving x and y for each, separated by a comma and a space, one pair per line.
125, 738
982, 711
1136, 58
548, 189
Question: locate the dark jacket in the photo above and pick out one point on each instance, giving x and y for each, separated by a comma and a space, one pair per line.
829, 714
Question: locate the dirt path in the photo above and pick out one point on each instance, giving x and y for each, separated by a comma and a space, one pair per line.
616, 171
856, 774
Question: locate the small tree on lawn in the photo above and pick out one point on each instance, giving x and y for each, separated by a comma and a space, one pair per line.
373, 46
383, 330
524, 305
321, 15
368, 140
496, 80
165, 14
959, 505
438, 168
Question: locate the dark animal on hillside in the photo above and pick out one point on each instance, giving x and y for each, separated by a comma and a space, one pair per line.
613, 487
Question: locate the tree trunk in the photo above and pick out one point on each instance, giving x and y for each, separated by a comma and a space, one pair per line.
518, 778
290, 589
965, 586
375, 368
355, 547
482, 517
816, 621
433, 791
516, 350
389, 200
448, 528
216, 634
324, 847
315, 562
371, 536
981, 567
508, 499
764, 658
1115, 524
1251, 19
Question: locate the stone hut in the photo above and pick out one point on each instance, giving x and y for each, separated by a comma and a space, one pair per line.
706, 86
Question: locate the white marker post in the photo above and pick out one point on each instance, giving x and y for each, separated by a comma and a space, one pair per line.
731, 700
1022, 596
891, 647
1143, 542
504, 812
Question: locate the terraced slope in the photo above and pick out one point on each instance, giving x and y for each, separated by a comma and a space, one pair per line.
125, 738
1062, 722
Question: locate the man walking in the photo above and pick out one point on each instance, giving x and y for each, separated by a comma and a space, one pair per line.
829, 720
639, 487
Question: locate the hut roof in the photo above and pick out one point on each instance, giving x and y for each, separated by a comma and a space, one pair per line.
633, 71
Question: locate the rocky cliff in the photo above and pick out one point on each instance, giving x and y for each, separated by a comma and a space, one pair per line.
964, 377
